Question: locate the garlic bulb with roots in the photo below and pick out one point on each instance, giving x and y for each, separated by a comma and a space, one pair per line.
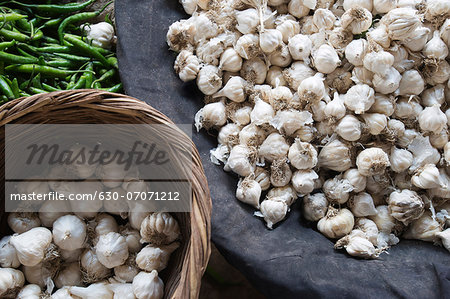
424, 228
356, 20
155, 257
357, 244
359, 98
274, 147
187, 66
241, 160
211, 115
10, 283
356, 179
159, 228
335, 155
336, 223
337, 190
405, 205
148, 285
314, 206
280, 173
312, 89
254, 70
91, 268
372, 161
249, 191
302, 155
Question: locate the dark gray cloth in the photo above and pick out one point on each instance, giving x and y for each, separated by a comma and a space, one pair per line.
293, 260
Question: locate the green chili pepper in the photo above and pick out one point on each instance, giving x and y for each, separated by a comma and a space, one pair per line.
89, 75
6, 45
115, 88
8, 17
24, 94
15, 88
24, 53
50, 40
12, 35
77, 18
61, 63
55, 9
36, 81
6, 89
23, 24
35, 90
109, 74
73, 57
73, 80
52, 49
96, 85
37, 35
13, 59
87, 49
102, 51
51, 23
80, 83
44, 70
49, 88
3, 99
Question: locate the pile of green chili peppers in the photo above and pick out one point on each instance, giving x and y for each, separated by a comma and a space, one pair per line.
43, 49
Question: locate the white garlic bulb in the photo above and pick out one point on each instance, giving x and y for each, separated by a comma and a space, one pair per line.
432, 119
155, 258
275, 77
280, 56
69, 275
242, 116
297, 8
423, 152
300, 47
348, 4
274, 147
445, 32
411, 83
424, 228
323, 18
159, 228
11, 280
122, 290
383, 219
426, 177
148, 285
400, 159
303, 181
418, 39
437, 73
288, 27
92, 269
372, 161
361, 75
314, 206
380, 36
187, 66
31, 245
249, 191
357, 244
356, 179
289, 121
254, 70
436, 48
356, 50
111, 250
273, 211
286, 194
180, 35
378, 62
336, 107
8, 254
359, 98
336, 223
211, 115
189, 6
63, 293
362, 205
280, 97
247, 20
337, 190
69, 232
262, 177
126, 272
280, 173
209, 80
369, 228
252, 135
387, 83
356, 20
30, 291
70, 256
349, 128
132, 237
401, 22
230, 60
94, 291
296, 73
326, 59
312, 89
375, 122
335, 155
405, 205
50, 211
269, 40
302, 155
384, 6
433, 96
247, 46
21, 222
239, 160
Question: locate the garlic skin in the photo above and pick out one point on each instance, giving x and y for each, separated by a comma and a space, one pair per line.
111, 250
349, 128
436, 48
372, 161
362, 205
356, 20
356, 50
63, 293
11, 281
355, 179
21, 222
211, 115
326, 59
411, 83
155, 258
159, 229
314, 206
303, 181
97, 290
376, 122
239, 160
187, 66
208, 80
359, 98
405, 205
432, 119
100, 35
254, 70
336, 223
148, 286
8, 254
401, 22
30, 291
91, 267
273, 211
335, 155
69, 275
274, 147
400, 159
424, 228
230, 60
69, 232
302, 155
31, 245
426, 177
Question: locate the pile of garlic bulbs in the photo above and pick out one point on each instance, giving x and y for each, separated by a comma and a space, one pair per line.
339, 102
104, 255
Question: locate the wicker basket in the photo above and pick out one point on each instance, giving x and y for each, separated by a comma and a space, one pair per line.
183, 276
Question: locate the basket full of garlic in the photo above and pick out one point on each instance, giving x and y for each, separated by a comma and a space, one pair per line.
105, 254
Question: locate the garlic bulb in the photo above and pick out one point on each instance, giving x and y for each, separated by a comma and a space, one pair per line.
435, 48
423, 152
111, 250
280, 97
372, 161
69, 275
405, 205
337, 190
357, 244
359, 98
303, 181
180, 35
323, 18
11, 280
297, 8
21, 222
247, 20
122, 290
136, 216
426, 177
252, 135
378, 62
349, 128
230, 61
280, 173
273, 148
31, 245
288, 27
273, 211
380, 36
375, 122
362, 205
400, 159
239, 160
437, 73
418, 39
254, 70
369, 228
424, 228
262, 112
269, 40
70, 256
388, 83
335, 155
336, 223
275, 77
312, 89
262, 177
50, 211
290, 121
432, 119
356, 50
411, 83
159, 228
187, 66
384, 6
247, 46
445, 238
361, 75
208, 80
356, 20
314, 206
300, 47
63, 293
30, 291
148, 286
356, 179
91, 267
302, 155
155, 258
132, 237
296, 73
286, 194
126, 272
401, 22
211, 115
69, 232
8, 254
280, 56
433, 96
326, 59
383, 219
336, 107
93, 291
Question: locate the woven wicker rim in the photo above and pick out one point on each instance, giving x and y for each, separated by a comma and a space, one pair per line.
184, 278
